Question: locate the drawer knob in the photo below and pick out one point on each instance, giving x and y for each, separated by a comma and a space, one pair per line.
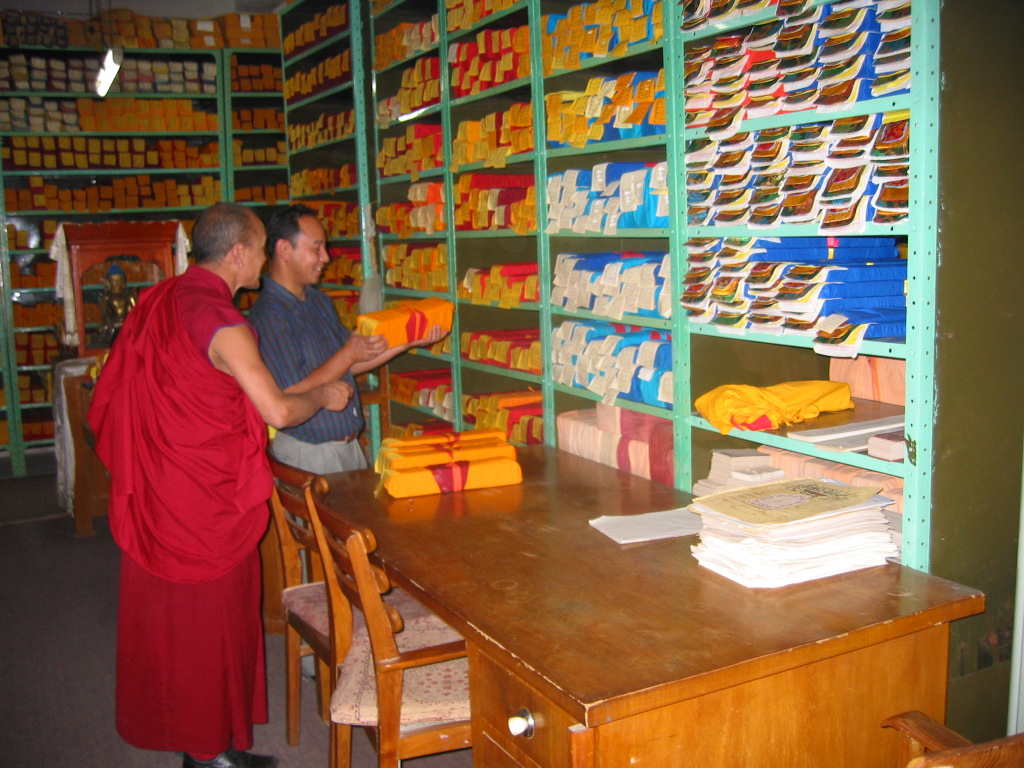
521, 724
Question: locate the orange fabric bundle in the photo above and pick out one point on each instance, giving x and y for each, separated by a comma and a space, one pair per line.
425, 455
446, 463
451, 477
447, 438
409, 321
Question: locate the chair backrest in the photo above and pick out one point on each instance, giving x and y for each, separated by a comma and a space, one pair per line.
291, 500
1000, 753
937, 746
353, 580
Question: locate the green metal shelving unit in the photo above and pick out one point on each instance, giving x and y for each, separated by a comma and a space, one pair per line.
919, 232
15, 412
232, 99
353, 148
13, 445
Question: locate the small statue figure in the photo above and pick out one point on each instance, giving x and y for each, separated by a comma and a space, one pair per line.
115, 302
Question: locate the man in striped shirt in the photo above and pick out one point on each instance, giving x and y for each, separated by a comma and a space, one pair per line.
304, 344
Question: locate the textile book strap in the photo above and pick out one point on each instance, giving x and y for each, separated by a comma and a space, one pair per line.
416, 325
450, 477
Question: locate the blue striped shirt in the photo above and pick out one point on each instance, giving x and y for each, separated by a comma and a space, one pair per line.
297, 337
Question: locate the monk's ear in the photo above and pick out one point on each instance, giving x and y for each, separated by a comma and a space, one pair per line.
237, 255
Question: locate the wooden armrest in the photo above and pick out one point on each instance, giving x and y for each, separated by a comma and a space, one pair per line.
423, 656
925, 730
1001, 753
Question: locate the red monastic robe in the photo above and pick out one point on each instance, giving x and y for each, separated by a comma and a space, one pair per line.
185, 449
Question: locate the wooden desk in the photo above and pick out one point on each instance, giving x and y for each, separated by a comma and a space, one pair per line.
638, 656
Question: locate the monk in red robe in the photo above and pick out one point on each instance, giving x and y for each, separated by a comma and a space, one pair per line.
180, 413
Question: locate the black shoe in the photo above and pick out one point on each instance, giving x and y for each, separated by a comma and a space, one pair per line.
232, 759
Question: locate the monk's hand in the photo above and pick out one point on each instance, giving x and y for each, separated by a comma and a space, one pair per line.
336, 395
361, 348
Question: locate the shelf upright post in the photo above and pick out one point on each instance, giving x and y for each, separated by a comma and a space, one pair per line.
675, 155
363, 149
8, 364
281, 13
448, 134
364, 195
923, 258
225, 133
540, 175
372, 247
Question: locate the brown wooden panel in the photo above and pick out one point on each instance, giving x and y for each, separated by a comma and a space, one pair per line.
487, 753
497, 695
825, 713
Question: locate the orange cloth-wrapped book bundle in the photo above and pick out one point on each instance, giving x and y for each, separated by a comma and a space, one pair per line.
448, 462
408, 321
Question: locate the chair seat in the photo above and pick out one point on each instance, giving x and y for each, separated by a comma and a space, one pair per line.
308, 602
435, 693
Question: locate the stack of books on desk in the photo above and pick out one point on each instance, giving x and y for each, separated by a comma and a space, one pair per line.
791, 531
735, 468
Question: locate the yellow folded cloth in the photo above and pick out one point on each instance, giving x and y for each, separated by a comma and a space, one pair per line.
448, 478
409, 321
444, 438
427, 455
741, 406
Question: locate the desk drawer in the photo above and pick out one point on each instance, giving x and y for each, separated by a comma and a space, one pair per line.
498, 695
486, 752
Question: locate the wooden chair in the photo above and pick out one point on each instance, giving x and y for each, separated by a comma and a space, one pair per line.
304, 600
932, 745
404, 675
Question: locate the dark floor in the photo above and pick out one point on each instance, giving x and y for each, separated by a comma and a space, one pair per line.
38, 461
57, 636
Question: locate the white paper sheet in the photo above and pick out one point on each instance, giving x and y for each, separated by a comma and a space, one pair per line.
627, 529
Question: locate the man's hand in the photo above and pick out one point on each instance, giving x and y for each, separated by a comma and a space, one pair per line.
434, 335
362, 348
336, 395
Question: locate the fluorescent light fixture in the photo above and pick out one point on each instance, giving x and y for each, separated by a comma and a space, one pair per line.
108, 70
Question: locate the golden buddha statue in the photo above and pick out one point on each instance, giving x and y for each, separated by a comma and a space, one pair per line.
115, 302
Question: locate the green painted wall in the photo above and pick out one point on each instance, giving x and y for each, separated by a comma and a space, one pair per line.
980, 350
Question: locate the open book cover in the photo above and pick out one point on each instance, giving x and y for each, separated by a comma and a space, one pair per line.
784, 501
